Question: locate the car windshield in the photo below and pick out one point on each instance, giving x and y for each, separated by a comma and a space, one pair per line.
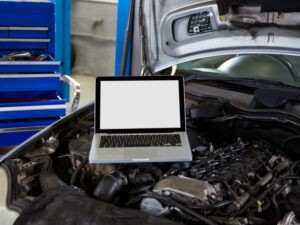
278, 68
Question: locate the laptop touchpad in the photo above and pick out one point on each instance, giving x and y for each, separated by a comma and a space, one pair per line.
140, 153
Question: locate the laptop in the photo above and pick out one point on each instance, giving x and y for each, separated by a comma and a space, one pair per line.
140, 119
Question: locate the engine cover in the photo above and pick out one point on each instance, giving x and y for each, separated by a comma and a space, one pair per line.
200, 190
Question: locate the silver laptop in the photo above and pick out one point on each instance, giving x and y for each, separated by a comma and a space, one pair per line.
140, 119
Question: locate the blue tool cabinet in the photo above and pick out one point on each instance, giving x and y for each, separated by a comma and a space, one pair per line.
30, 87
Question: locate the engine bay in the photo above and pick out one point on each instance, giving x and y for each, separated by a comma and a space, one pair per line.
238, 175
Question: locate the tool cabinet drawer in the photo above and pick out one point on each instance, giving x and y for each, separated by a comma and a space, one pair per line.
30, 82
29, 32
15, 132
25, 32
19, 13
29, 66
30, 38
3, 33
27, 28
26, 105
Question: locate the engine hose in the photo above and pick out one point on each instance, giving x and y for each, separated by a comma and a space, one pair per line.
76, 172
214, 206
195, 214
219, 220
275, 205
274, 202
287, 140
182, 215
293, 166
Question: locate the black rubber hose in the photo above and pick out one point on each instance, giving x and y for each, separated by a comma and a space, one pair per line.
275, 205
287, 140
196, 215
76, 172
214, 206
293, 167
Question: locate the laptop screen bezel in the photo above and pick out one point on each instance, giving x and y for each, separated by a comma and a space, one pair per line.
146, 130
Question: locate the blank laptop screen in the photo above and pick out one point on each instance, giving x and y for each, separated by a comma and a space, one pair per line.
139, 104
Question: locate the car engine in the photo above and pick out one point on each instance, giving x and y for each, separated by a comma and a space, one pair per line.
232, 181
247, 182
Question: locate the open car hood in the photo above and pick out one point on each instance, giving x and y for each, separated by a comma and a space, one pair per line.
176, 31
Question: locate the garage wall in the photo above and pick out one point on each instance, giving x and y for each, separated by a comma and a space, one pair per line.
94, 36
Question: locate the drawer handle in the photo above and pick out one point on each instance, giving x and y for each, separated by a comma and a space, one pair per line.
39, 40
75, 90
24, 28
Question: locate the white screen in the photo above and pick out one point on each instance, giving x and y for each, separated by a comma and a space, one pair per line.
139, 104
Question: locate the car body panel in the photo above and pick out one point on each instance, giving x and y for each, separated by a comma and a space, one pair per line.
249, 32
8, 216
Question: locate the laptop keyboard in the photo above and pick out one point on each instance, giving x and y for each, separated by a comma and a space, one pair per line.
114, 141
